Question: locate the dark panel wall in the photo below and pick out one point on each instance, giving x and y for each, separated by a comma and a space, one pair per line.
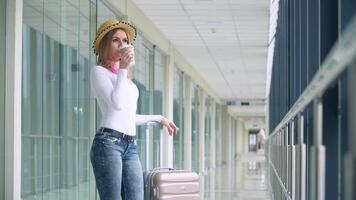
306, 32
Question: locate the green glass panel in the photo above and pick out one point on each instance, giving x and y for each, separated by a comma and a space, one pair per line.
141, 74
195, 130
158, 100
58, 113
178, 118
207, 138
2, 97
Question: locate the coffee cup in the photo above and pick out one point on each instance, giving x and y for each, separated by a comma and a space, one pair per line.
124, 49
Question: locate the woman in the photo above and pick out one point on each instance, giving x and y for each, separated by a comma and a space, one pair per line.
116, 165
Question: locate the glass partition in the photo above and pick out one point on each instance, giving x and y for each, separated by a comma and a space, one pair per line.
217, 129
2, 97
158, 100
58, 110
178, 118
195, 128
207, 134
207, 144
105, 13
141, 74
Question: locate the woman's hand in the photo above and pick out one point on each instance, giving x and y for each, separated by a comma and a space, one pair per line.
172, 128
126, 58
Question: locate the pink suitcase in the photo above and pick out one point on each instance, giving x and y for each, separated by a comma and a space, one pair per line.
170, 184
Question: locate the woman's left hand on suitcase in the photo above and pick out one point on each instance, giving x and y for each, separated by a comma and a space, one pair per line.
172, 128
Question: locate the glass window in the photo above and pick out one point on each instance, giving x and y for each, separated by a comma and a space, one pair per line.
178, 118
207, 137
105, 13
207, 134
2, 97
158, 99
217, 129
141, 75
195, 128
57, 58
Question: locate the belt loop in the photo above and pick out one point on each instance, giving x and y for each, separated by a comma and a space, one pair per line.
101, 130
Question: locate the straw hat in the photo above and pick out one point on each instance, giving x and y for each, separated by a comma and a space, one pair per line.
110, 25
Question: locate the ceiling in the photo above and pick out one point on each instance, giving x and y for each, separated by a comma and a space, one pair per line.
224, 40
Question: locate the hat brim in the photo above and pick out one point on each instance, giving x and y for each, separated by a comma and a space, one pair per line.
130, 30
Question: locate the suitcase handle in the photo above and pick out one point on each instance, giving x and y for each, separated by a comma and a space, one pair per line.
150, 124
160, 126
153, 123
164, 168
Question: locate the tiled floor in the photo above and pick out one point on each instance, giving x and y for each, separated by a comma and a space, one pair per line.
244, 179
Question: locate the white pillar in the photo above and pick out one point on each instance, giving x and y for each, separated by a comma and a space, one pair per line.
229, 150
13, 99
188, 123
229, 140
168, 111
236, 139
240, 137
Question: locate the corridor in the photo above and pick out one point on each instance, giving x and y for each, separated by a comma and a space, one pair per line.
262, 91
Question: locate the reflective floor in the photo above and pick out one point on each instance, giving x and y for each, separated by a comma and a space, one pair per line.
244, 179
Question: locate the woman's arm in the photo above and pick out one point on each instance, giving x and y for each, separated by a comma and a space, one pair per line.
111, 94
144, 119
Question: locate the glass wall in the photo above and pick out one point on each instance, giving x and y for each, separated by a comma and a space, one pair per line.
178, 118
2, 97
105, 13
207, 138
158, 74
305, 35
217, 129
141, 74
207, 134
58, 111
195, 128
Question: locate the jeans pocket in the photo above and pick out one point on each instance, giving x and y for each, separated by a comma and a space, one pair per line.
111, 140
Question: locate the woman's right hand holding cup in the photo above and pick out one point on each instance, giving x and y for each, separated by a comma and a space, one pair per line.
126, 56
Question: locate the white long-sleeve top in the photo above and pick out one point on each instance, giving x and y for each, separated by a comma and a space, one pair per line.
117, 98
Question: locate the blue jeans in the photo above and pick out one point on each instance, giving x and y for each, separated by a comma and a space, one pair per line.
117, 168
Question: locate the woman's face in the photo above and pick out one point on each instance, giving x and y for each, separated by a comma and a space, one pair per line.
118, 40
